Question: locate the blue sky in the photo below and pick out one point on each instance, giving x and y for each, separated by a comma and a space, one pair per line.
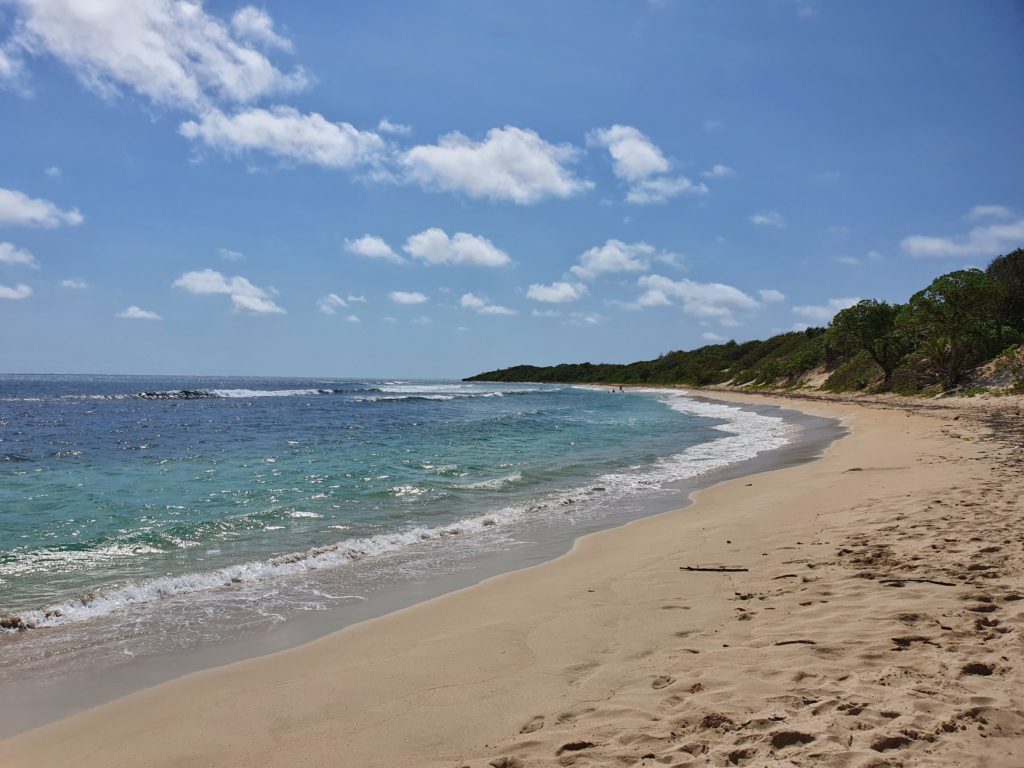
434, 189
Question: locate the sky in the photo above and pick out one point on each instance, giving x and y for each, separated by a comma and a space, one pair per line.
434, 189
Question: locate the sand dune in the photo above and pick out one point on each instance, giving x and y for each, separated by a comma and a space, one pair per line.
878, 623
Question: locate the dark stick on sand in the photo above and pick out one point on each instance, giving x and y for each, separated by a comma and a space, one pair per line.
721, 569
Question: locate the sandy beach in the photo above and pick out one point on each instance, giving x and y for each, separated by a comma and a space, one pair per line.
869, 614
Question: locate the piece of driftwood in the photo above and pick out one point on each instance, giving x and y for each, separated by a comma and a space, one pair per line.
917, 581
796, 642
714, 569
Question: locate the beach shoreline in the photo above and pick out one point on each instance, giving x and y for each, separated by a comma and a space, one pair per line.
50, 692
611, 653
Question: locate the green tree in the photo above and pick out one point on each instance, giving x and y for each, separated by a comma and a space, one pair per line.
870, 326
1008, 271
956, 321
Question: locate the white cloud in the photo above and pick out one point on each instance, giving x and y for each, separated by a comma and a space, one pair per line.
708, 301
245, 297
331, 303
229, 255
407, 297
397, 129
510, 164
352, 319
634, 156
356, 299
546, 313
54, 172
17, 208
74, 284
11, 71
135, 313
824, 313
989, 212
983, 241
586, 318
482, 306
641, 164
18, 292
256, 26
433, 246
373, 247
422, 320
713, 125
617, 256
286, 133
556, 293
772, 296
768, 219
709, 336
875, 256
719, 171
173, 53
660, 189
11, 254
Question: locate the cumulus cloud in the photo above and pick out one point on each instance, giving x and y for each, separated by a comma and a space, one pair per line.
407, 297
719, 171
245, 297
17, 208
982, 241
373, 247
135, 313
331, 303
286, 133
660, 189
707, 301
11, 254
74, 284
556, 293
823, 313
510, 164
397, 129
54, 172
617, 256
637, 161
772, 296
709, 336
482, 306
173, 53
433, 246
768, 219
255, 26
18, 292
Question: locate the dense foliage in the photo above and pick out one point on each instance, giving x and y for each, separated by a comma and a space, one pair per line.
962, 319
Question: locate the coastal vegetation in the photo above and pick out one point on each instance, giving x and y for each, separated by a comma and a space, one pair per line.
965, 324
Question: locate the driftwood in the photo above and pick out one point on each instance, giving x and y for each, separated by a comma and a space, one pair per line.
796, 642
714, 569
900, 582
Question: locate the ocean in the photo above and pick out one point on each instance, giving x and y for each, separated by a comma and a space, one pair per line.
144, 515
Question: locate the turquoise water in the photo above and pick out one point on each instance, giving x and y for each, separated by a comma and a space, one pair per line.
129, 506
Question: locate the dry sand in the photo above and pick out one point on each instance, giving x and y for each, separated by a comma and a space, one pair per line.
879, 623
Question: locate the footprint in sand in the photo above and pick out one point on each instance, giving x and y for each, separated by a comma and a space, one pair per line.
662, 681
534, 725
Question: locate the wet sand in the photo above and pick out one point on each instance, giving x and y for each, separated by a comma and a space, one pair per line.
870, 615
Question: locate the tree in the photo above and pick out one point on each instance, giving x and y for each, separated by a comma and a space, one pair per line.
1008, 271
956, 321
870, 326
